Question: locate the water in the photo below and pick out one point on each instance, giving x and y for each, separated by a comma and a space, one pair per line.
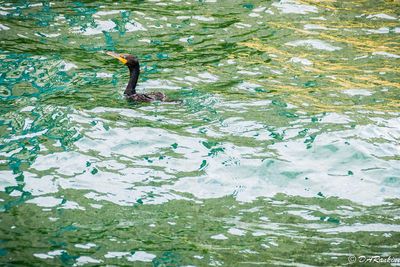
285, 148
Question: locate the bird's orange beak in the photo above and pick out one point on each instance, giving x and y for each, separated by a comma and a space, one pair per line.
117, 56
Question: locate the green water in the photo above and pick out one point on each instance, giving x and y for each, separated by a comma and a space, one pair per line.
284, 151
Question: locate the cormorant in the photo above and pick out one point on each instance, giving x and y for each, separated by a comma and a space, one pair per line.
134, 69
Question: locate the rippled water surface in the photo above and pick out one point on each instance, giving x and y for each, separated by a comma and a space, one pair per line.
284, 149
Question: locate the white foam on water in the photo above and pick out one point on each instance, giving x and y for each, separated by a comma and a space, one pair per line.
382, 30
300, 60
3, 27
314, 27
335, 118
235, 231
134, 26
357, 92
381, 16
240, 25
42, 256
385, 54
254, 15
66, 66
186, 39
208, 77
314, 43
103, 75
49, 255
259, 9
85, 246
219, 237
49, 35
46, 202
293, 7
248, 86
27, 109
328, 174
357, 227
101, 25
107, 12
18, 137
141, 256
83, 260
251, 73
116, 254
203, 18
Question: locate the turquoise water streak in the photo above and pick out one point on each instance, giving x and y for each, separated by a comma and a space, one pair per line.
285, 148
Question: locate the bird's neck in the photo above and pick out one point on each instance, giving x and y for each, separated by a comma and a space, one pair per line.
134, 76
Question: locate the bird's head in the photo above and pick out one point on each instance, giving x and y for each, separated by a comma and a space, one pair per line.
128, 60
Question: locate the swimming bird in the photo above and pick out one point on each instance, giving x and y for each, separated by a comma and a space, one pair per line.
134, 70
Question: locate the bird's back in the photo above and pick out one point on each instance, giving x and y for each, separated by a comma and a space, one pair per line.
149, 97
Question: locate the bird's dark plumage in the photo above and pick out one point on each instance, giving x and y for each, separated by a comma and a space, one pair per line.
134, 70
149, 97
